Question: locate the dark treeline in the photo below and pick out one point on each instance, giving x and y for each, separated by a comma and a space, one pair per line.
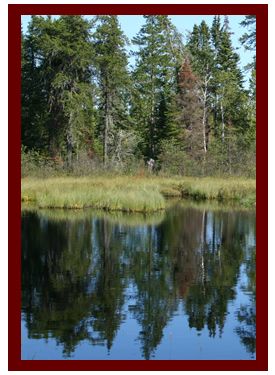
185, 106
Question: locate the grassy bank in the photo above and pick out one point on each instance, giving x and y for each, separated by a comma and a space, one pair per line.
132, 194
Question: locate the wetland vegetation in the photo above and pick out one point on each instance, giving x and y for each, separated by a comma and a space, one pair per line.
138, 189
92, 104
133, 194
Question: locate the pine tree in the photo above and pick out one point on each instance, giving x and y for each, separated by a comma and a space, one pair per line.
248, 39
34, 112
71, 86
230, 99
228, 92
191, 110
199, 45
77, 92
112, 78
216, 33
60, 56
154, 78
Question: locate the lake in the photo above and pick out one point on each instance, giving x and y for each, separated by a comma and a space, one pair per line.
179, 284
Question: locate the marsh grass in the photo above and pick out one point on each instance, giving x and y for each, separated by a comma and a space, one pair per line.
98, 193
132, 194
223, 190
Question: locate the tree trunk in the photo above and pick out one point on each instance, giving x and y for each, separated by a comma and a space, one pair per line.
152, 118
108, 124
69, 143
223, 125
222, 114
204, 120
105, 144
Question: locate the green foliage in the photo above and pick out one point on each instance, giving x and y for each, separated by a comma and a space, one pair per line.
249, 38
133, 194
112, 78
154, 76
173, 159
220, 160
56, 72
87, 112
38, 164
228, 108
81, 193
201, 50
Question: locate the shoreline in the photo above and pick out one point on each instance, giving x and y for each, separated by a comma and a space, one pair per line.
134, 194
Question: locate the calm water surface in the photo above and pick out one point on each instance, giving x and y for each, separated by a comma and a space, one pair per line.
175, 285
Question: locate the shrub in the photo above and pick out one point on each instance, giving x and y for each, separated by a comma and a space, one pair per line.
172, 160
37, 164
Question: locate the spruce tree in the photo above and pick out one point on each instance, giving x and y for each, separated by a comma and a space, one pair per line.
59, 56
157, 59
248, 39
228, 84
202, 54
112, 78
192, 111
229, 97
34, 114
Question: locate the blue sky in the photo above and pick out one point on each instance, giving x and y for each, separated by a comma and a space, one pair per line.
131, 25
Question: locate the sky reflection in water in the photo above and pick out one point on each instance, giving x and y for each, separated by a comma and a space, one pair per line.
174, 285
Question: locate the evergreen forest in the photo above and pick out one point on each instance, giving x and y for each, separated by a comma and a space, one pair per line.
91, 103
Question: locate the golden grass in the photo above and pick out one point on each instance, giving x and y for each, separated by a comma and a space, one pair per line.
132, 194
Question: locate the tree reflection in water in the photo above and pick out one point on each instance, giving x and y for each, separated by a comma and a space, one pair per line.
246, 314
76, 272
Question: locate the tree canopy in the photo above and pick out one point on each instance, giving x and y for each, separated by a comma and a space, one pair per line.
81, 98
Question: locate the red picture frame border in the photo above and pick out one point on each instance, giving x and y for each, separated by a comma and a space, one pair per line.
14, 179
